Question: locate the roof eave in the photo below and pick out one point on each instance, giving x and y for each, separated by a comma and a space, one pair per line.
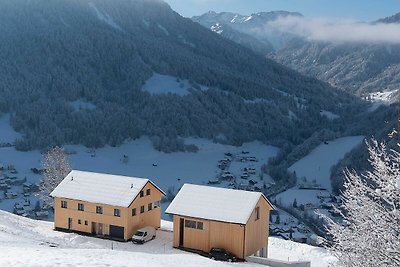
206, 219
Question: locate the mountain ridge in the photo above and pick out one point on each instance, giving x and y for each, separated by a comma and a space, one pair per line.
58, 51
357, 68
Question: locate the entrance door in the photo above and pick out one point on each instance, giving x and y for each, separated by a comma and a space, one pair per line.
69, 223
94, 228
100, 229
181, 231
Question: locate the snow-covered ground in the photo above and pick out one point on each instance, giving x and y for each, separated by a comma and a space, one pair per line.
314, 171
26, 242
380, 98
82, 104
163, 84
317, 165
103, 16
329, 115
7, 133
137, 158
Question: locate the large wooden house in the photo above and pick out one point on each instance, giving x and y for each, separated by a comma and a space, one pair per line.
209, 217
106, 205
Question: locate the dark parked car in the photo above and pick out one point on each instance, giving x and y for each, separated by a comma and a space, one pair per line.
221, 254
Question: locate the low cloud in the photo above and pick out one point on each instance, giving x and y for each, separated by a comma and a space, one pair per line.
340, 31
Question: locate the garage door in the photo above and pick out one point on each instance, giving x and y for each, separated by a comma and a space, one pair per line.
117, 231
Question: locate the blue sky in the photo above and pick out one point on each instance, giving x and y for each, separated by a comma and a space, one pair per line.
363, 10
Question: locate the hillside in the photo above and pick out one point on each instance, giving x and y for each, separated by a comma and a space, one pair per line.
73, 71
28, 242
358, 68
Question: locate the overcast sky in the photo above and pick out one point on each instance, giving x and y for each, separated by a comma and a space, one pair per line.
362, 10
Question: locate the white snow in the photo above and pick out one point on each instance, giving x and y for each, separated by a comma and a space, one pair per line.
329, 115
7, 134
136, 158
217, 28
248, 18
82, 105
63, 22
214, 203
257, 101
291, 251
26, 242
380, 98
163, 84
106, 18
115, 190
234, 19
186, 42
317, 165
163, 29
302, 196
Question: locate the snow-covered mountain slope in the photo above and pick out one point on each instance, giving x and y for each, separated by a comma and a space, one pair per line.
57, 52
355, 67
253, 26
26, 242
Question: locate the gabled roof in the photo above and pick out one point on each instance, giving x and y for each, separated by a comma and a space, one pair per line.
114, 190
213, 203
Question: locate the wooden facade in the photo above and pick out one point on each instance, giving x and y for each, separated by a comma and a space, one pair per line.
240, 239
115, 222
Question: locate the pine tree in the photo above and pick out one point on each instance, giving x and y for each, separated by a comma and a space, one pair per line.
371, 204
278, 219
56, 166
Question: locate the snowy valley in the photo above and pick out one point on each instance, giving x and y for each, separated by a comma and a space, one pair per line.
249, 104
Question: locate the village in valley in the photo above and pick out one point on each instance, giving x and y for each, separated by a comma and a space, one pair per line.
297, 210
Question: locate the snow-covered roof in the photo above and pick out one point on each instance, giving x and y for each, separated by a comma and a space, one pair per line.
114, 190
214, 203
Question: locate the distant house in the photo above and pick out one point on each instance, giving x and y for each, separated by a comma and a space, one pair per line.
209, 217
106, 205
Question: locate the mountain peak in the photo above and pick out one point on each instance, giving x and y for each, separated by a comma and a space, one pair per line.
392, 19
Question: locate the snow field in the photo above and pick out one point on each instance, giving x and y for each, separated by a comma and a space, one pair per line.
163, 84
7, 133
29, 242
317, 165
137, 158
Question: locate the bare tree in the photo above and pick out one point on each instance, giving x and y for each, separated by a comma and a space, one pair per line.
371, 203
56, 166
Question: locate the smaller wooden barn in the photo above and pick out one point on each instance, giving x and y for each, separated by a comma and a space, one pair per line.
209, 217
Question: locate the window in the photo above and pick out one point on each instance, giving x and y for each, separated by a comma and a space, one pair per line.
79, 221
86, 223
148, 192
190, 224
141, 193
156, 204
194, 224
150, 206
99, 209
64, 204
134, 212
257, 213
81, 207
141, 209
117, 212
